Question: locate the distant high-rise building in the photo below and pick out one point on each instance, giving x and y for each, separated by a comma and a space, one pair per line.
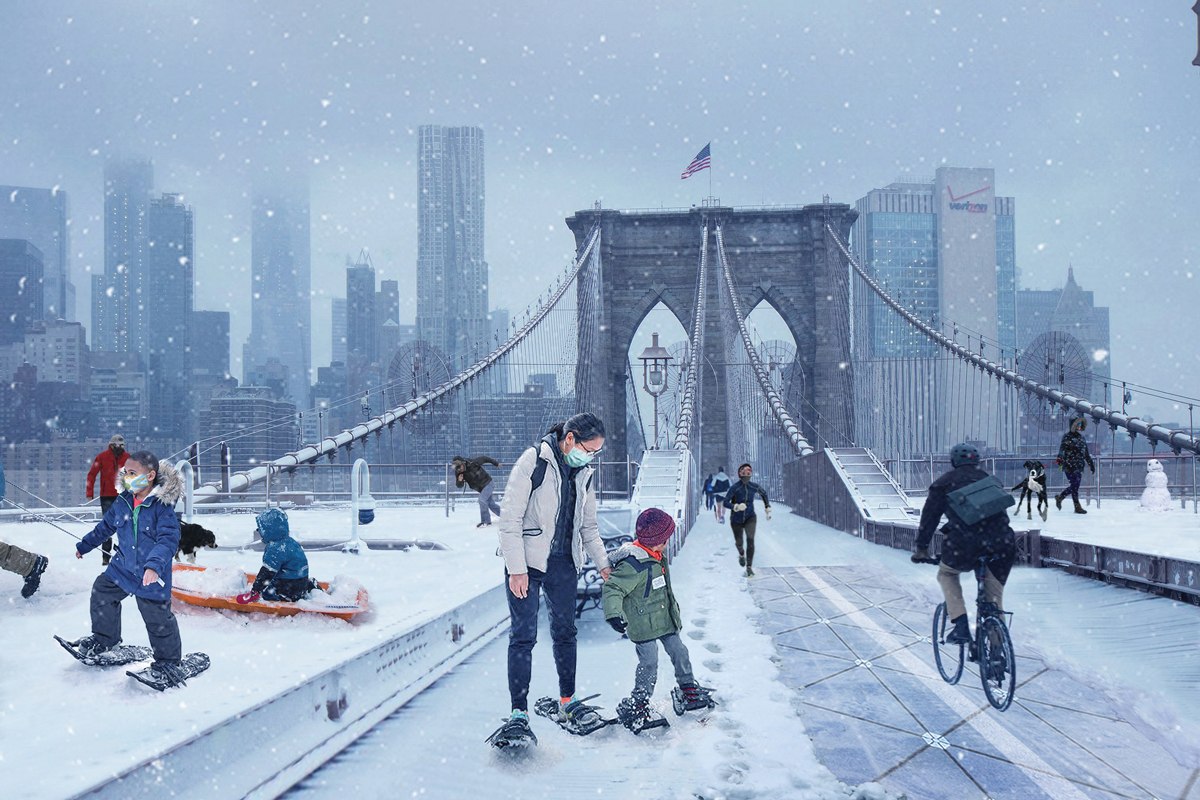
387, 321
500, 319
119, 310
944, 248
210, 343
337, 311
452, 275
21, 282
119, 393
255, 422
41, 216
59, 351
281, 303
168, 334
361, 333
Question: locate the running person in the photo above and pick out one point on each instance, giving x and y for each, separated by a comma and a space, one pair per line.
547, 529
964, 545
720, 486
740, 500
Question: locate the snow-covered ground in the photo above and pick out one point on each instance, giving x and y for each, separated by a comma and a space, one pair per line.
1121, 524
65, 726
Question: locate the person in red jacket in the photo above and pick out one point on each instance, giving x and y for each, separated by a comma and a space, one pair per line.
107, 464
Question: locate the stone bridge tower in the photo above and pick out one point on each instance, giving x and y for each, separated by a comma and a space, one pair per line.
776, 254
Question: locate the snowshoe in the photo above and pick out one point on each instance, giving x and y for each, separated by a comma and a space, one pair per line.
515, 732
162, 675
691, 697
575, 717
89, 651
636, 714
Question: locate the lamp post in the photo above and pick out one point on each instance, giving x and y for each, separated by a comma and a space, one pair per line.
655, 360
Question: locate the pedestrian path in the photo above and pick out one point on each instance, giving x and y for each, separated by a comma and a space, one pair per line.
859, 655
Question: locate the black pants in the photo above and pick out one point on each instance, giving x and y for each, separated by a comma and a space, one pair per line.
559, 584
105, 505
289, 590
748, 528
161, 625
1073, 479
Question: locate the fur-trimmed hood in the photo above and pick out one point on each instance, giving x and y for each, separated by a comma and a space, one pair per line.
169, 487
625, 551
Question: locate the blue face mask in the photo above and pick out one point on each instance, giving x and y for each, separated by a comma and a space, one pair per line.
578, 457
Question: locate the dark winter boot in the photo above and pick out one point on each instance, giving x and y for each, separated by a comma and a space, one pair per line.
961, 633
691, 697
636, 713
34, 578
1058, 498
1079, 509
168, 673
89, 646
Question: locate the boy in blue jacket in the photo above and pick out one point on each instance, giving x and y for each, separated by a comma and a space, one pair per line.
284, 573
142, 519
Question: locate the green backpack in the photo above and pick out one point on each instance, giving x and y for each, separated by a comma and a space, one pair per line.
976, 502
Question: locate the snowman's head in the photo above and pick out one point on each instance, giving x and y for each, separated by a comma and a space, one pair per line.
1154, 465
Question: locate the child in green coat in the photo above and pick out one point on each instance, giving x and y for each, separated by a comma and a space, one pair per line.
639, 603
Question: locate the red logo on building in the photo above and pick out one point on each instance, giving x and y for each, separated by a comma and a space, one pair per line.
957, 204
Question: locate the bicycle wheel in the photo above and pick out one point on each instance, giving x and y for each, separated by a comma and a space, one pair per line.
997, 662
949, 657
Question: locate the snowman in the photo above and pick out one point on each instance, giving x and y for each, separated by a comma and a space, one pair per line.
1156, 497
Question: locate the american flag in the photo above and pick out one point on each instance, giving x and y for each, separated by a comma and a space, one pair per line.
701, 161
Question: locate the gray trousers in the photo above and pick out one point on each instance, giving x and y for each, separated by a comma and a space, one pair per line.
488, 504
161, 625
647, 669
14, 559
993, 590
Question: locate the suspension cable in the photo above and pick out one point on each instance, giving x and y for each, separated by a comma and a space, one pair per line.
1176, 440
790, 429
687, 405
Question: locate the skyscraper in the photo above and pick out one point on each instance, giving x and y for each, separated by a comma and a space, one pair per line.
361, 333
21, 270
281, 303
210, 343
337, 310
40, 216
169, 289
452, 275
118, 312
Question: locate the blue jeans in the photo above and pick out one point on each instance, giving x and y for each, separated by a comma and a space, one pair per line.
559, 584
488, 504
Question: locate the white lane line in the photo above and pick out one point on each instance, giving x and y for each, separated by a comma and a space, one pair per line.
1053, 784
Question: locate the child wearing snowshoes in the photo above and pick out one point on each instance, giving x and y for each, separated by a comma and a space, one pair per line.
284, 573
147, 532
639, 603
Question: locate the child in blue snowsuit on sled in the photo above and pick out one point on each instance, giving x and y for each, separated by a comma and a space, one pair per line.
284, 573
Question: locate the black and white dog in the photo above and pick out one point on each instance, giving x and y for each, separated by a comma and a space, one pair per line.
1033, 484
191, 538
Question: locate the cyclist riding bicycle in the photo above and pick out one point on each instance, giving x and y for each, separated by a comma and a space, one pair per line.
965, 543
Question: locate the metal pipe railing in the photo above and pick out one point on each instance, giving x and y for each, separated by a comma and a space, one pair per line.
1176, 440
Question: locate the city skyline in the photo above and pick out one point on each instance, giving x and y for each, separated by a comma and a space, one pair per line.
603, 135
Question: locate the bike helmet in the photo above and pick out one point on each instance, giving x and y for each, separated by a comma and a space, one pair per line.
963, 454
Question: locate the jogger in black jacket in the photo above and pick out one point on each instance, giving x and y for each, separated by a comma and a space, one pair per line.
740, 500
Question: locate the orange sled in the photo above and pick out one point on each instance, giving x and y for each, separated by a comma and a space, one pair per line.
279, 608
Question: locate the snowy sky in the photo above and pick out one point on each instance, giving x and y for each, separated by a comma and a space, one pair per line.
1087, 111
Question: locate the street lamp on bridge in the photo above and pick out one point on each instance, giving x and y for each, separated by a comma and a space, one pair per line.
655, 361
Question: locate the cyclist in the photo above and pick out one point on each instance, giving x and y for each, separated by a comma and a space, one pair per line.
964, 545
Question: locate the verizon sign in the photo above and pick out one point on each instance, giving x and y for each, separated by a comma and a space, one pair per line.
961, 203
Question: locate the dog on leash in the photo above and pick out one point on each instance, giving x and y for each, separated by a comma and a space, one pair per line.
192, 537
1034, 483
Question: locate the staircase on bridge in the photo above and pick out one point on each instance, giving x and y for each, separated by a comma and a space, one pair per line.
877, 494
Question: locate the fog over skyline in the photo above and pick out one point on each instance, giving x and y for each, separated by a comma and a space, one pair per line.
1087, 111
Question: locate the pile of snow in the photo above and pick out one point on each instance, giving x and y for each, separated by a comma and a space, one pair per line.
221, 581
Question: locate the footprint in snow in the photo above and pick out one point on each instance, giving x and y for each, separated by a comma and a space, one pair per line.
713, 665
695, 635
712, 647
700, 623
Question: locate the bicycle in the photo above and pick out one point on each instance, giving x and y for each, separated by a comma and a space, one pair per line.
991, 647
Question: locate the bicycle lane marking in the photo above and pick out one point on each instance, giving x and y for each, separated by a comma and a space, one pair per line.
1042, 774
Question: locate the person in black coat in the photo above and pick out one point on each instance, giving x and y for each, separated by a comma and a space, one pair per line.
720, 485
740, 500
964, 545
1073, 455
471, 471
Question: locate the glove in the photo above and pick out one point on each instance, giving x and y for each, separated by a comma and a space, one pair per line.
921, 556
768, 510
248, 597
739, 506
1093, 467
619, 625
